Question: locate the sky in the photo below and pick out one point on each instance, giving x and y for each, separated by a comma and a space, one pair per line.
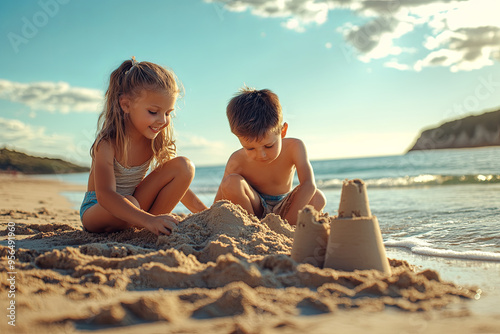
355, 78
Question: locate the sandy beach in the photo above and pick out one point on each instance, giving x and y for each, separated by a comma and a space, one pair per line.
222, 271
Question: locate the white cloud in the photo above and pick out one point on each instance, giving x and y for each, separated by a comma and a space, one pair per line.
190, 141
374, 39
465, 49
465, 34
206, 151
17, 135
294, 24
52, 96
298, 14
434, 42
438, 58
394, 64
474, 14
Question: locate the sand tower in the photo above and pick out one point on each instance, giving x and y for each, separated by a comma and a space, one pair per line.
354, 241
311, 237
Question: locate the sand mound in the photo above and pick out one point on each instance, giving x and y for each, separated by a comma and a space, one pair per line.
226, 228
218, 263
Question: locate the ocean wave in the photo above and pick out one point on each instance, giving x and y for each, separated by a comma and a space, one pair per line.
421, 247
415, 181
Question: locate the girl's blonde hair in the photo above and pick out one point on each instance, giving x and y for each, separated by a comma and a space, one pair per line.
130, 78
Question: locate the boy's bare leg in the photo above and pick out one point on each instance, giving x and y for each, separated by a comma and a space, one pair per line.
237, 190
298, 202
318, 201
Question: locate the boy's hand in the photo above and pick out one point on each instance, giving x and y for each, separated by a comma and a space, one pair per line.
162, 224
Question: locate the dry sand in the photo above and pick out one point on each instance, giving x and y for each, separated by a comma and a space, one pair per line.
222, 271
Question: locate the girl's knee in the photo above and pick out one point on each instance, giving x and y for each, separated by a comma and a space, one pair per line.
184, 165
178, 167
133, 200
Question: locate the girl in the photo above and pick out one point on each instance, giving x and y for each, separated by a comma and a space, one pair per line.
135, 129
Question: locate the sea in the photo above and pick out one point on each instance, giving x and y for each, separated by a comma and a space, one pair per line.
438, 209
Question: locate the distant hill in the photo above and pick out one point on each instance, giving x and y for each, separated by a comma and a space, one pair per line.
472, 131
20, 162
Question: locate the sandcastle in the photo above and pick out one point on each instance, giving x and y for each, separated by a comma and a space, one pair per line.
311, 238
352, 241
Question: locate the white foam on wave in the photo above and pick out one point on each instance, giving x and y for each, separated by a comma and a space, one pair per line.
419, 180
422, 247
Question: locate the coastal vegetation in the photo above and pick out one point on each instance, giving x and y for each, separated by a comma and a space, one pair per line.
18, 162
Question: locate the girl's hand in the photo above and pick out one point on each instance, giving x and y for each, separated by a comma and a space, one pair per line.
162, 224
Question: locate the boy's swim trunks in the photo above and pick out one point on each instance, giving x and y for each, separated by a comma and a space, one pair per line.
279, 204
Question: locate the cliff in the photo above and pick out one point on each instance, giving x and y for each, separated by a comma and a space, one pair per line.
472, 131
20, 162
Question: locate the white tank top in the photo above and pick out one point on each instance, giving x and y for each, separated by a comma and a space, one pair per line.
127, 179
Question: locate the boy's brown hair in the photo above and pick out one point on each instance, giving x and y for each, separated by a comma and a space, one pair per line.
253, 113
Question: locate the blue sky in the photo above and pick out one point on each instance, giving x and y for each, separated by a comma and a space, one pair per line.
355, 78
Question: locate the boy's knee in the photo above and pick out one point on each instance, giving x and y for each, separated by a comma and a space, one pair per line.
231, 182
319, 200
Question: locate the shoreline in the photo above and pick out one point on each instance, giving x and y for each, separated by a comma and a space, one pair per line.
479, 273
37, 203
24, 192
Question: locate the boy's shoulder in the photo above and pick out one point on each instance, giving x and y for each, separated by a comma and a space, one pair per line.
293, 144
294, 150
237, 156
236, 161
292, 141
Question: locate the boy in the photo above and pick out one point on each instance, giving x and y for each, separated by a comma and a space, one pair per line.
259, 176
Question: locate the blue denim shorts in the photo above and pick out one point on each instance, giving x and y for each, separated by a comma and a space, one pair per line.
89, 201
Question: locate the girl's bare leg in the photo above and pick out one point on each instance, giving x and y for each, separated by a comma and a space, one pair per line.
98, 219
164, 187
158, 193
